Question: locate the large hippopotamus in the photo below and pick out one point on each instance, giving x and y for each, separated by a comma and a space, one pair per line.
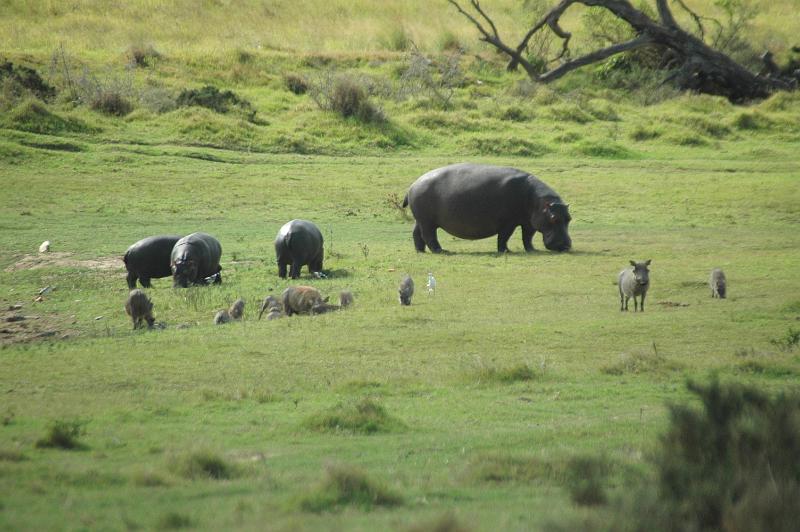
298, 243
475, 201
194, 258
149, 259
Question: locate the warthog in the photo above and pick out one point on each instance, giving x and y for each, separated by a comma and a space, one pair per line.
718, 283
272, 306
345, 298
634, 283
301, 299
237, 309
406, 290
140, 309
223, 316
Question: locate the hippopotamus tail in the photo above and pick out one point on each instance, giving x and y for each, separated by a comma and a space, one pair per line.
405, 201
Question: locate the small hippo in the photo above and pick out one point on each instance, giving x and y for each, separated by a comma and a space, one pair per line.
140, 309
297, 244
237, 309
301, 299
271, 305
194, 258
406, 290
345, 298
149, 259
718, 283
634, 283
223, 316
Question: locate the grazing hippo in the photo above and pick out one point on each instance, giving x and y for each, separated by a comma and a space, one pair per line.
140, 309
301, 299
718, 283
271, 305
194, 258
475, 201
237, 309
406, 290
634, 283
149, 259
298, 243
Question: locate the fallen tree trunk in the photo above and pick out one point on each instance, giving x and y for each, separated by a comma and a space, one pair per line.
700, 68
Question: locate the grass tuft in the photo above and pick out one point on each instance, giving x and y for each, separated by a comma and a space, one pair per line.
363, 417
605, 149
499, 467
11, 455
506, 375
507, 146
173, 521
63, 435
348, 486
202, 464
639, 363
34, 116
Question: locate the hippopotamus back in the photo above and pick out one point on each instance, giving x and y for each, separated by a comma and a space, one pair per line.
475, 201
299, 243
195, 257
149, 258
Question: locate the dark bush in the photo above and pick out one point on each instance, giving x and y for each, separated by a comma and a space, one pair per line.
295, 83
111, 103
730, 465
216, 100
348, 486
22, 78
346, 96
62, 435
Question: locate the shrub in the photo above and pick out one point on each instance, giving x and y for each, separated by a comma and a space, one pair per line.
362, 417
729, 465
295, 83
436, 78
202, 464
34, 116
584, 480
111, 103
397, 40
212, 98
21, 79
347, 486
346, 96
63, 435
143, 55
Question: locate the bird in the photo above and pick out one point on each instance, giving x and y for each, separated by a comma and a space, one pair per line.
431, 285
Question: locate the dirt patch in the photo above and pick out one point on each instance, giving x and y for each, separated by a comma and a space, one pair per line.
19, 323
64, 259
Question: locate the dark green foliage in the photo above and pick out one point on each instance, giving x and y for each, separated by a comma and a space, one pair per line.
34, 116
346, 96
295, 83
609, 150
348, 486
731, 465
111, 103
585, 480
789, 341
203, 465
63, 435
506, 375
212, 98
22, 79
362, 417
173, 521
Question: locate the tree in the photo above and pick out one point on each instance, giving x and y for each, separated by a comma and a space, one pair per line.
699, 67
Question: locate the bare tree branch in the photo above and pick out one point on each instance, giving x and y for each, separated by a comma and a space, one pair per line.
594, 57
666, 15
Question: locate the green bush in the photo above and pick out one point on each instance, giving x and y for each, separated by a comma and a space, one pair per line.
347, 486
212, 98
363, 417
63, 435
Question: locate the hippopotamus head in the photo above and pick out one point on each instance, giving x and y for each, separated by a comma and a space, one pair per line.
183, 273
554, 222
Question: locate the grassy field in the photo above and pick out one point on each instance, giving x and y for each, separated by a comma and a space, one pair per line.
474, 407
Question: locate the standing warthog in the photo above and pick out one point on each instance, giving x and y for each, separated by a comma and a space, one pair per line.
406, 290
149, 259
272, 306
140, 309
718, 283
634, 283
298, 243
475, 201
237, 309
301, 299
194, 258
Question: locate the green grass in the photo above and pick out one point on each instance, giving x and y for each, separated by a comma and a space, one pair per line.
517, 397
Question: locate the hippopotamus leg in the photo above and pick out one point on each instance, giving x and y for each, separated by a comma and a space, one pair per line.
502, 238
282, 269
295, 270
132, 280
419, 243
527, 237
429, 236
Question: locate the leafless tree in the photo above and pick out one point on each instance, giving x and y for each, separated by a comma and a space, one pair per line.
698, 66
